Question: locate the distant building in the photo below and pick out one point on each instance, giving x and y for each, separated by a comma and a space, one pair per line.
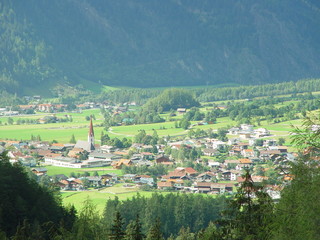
89, 144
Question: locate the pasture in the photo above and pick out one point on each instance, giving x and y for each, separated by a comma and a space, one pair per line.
53, 170
99, 198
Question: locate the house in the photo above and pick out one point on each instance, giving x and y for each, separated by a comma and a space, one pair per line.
212, 163
233, 131
39, 171
108, 179
210, 152
161, 159
235, 151
261, 132
213, 188
181, 110
121, 163
72, 184
164, 185
218, 144
244, 135
178, 184
129, 177
230, 175
57, 148
255, 179
105, 157
63, 162
246, 127
269, 142
202, 187
94, 181
145, 179
244, 163
189, 171
205, 177
247, 153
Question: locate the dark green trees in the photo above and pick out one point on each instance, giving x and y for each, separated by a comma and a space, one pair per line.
22, 198
117, 231
172, 99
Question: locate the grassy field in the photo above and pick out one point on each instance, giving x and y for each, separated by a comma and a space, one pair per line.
99, 198
163, 129
61, 132
53, 170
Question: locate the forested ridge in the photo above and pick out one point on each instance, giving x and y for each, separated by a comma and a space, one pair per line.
150, 44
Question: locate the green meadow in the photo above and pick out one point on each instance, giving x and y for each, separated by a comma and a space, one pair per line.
99, 198
54, 170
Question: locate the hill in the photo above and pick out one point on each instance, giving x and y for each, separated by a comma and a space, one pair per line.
157, 43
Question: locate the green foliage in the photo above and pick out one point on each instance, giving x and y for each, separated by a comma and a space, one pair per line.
173, 210
73, 139
134, 230
172, 99
22, 198
117, 232
154, 232
297, 214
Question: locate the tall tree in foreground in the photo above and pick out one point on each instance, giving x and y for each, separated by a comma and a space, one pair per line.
117, 232
155, 231
249, 215
23, 198
134, 230
298, 212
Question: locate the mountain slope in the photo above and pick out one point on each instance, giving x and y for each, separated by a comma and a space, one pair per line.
163, 43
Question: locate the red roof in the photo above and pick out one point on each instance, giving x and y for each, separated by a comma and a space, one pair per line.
190, 170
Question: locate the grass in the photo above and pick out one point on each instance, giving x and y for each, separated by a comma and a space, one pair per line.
99, 198
61, 132
54, 170
163, 129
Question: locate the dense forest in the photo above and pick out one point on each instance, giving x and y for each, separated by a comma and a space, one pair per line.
151, 44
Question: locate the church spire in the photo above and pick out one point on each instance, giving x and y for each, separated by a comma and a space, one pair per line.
91, 135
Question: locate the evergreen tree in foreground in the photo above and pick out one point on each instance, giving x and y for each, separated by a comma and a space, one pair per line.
134, 230
155, 231
117, 232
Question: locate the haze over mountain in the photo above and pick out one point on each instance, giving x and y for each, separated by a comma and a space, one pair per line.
151, 43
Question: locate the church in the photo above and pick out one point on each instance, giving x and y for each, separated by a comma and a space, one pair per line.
89, 144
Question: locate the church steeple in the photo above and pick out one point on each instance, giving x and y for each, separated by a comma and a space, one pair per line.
91, 135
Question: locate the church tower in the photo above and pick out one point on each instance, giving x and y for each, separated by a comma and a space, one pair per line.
91, 135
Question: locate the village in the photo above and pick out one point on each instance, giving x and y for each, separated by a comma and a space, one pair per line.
218, 170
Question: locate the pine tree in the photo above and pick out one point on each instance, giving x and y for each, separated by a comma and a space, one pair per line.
155, 231
117, 232
250, 214
73, 139
134, 230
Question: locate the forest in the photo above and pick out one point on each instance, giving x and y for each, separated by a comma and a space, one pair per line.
155, 44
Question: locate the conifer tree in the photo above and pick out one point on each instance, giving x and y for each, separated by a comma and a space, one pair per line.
117, 232
73, 139
155, 231
134, 230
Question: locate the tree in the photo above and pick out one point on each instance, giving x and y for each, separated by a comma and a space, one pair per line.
297, 214
73, 139
104, 138
250, 215
155, 231
281, 141
184, 123
23, 198
134, 230
117, 232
